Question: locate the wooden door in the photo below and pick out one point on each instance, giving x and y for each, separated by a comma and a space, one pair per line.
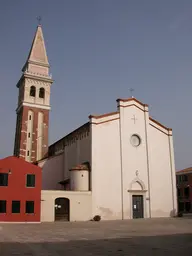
62, 209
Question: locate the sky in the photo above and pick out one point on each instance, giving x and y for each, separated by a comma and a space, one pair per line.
98, 50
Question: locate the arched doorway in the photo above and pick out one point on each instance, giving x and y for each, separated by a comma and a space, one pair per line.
137, 193
62, 209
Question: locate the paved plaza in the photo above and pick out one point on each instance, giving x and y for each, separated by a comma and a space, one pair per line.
128, 238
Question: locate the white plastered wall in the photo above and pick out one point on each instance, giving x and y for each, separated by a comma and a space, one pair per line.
162, 174
106, 168
134, 121
80, 205
52, 172
120, 170
57, 168
79, 180
76, 153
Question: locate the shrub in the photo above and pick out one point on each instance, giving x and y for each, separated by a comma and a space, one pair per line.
97, 218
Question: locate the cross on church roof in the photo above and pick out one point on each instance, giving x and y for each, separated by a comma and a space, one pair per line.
131, 92
39, 20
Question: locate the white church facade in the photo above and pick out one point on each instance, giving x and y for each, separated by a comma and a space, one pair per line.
119, 165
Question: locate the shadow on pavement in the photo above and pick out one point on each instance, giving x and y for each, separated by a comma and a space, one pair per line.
151, 245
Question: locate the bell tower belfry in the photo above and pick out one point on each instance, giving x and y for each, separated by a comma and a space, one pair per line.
32, 125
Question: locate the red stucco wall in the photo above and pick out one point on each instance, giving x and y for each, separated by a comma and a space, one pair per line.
17, 190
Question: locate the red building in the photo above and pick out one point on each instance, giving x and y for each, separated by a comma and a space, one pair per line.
184, 190
20, 190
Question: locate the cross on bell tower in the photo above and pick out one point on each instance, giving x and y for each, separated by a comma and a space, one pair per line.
39, 20
31, 136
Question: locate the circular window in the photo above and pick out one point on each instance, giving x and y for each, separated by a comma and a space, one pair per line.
135, 140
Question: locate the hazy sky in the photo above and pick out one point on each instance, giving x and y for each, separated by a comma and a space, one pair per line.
98, 49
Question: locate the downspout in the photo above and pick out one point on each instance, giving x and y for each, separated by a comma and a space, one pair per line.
147, 153
121, 166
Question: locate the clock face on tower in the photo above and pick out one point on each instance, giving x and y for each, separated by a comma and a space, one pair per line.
135, 140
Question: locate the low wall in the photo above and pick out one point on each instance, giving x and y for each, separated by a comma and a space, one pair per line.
80, 204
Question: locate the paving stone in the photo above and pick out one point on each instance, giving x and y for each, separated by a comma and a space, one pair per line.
114, 238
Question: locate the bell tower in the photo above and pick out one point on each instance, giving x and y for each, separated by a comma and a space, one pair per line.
32, 125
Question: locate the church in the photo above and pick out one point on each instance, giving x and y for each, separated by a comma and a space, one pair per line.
118, 165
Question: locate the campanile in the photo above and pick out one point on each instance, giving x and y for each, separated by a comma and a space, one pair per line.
32, 125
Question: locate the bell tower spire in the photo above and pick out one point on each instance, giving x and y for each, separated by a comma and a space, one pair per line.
31, 137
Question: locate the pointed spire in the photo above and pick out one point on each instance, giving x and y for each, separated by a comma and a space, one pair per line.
37, 54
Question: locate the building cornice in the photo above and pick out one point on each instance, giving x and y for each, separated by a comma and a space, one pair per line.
159, 124
35, 77
185, 171
103, 115
41, 64
73, 136
132, 99
32, 105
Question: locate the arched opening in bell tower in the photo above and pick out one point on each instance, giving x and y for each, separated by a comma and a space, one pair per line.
42, 93
32, 91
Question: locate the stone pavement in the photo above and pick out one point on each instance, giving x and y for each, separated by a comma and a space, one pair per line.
115, 238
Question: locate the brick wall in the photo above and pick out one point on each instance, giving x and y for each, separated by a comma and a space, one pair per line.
22, 134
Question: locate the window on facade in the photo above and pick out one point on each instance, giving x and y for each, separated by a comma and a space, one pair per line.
30, 117
15, 206
3, 204
42, 93
3, 179
178, 192
185, 178
28, 153
30, 180
32, 91
186, 192
29, 135
180, 178
29, 207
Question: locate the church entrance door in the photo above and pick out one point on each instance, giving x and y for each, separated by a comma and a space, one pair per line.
62, 209
137, 205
